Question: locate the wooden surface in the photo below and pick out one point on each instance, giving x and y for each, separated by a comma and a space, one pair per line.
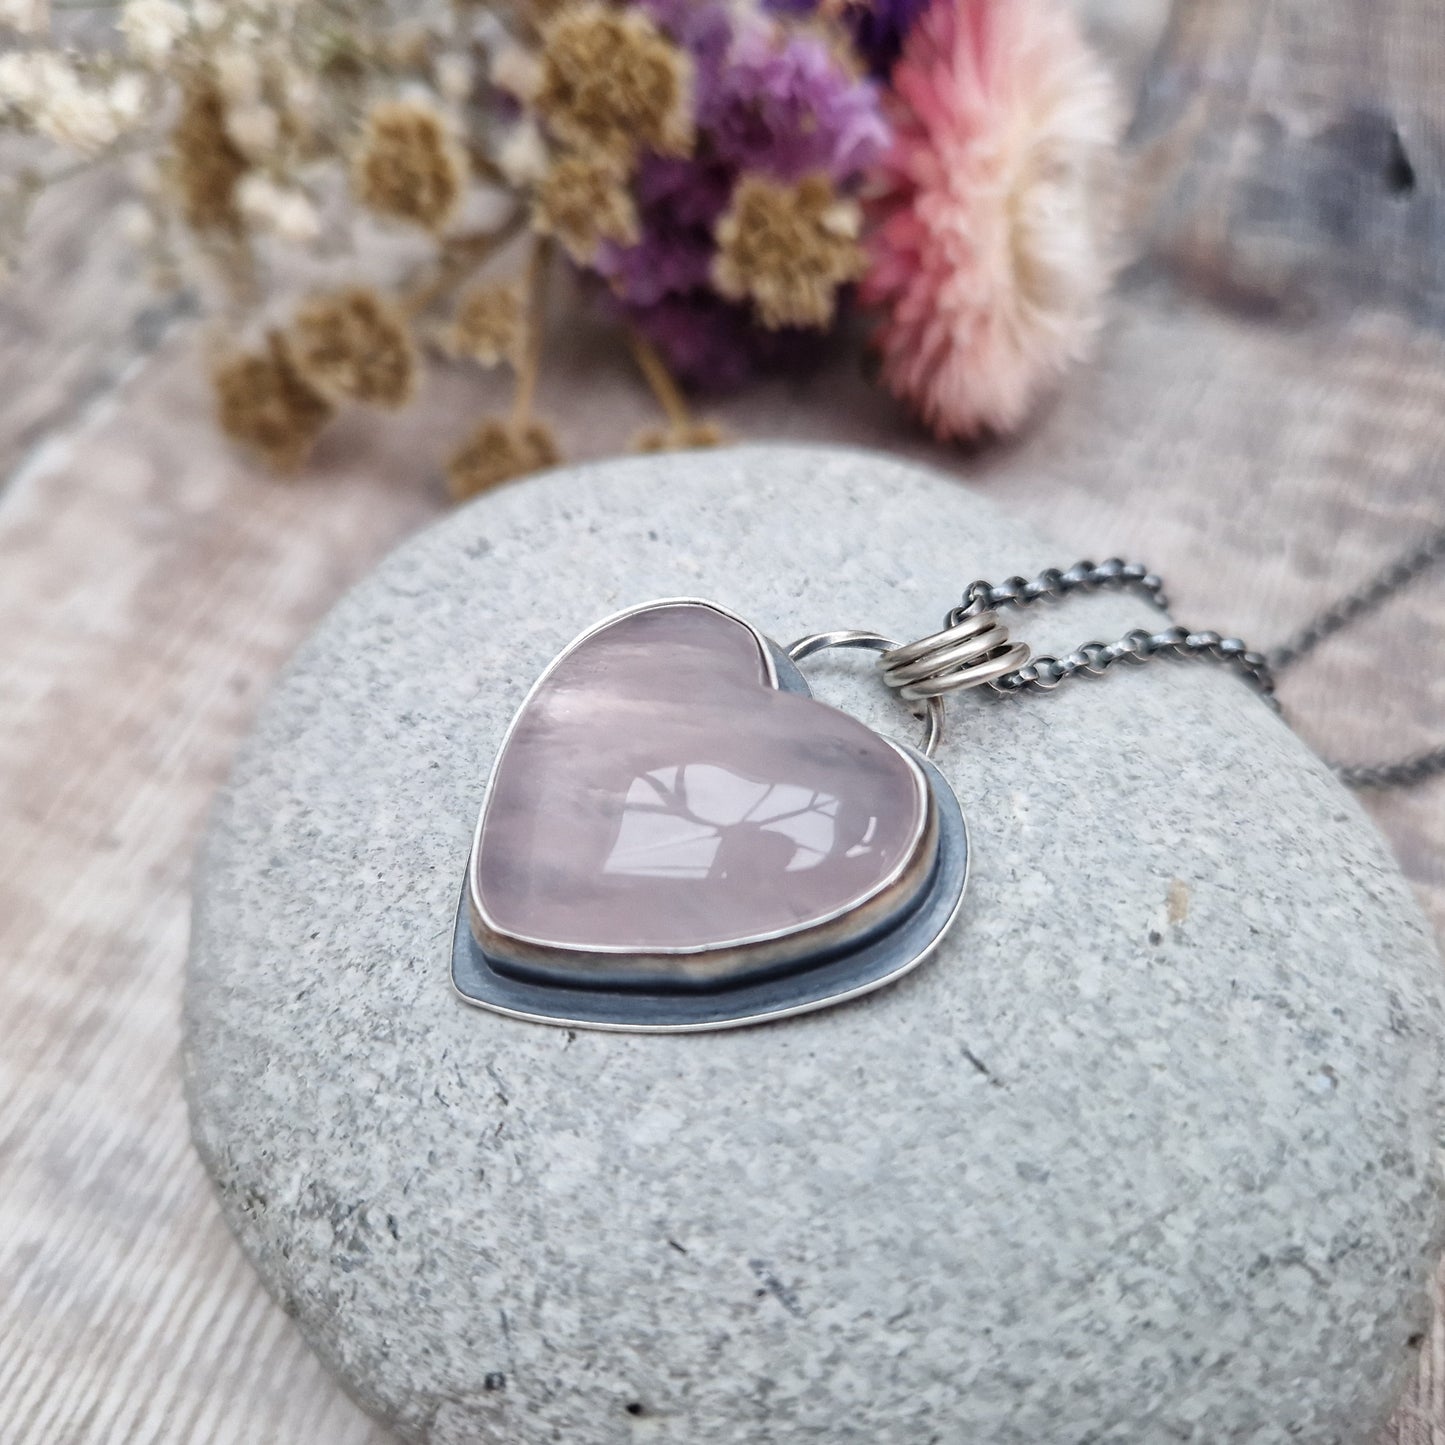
1264, 425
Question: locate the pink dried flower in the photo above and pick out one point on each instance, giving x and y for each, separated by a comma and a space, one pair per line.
992, 248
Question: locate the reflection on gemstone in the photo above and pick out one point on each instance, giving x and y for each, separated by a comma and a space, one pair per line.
693, 820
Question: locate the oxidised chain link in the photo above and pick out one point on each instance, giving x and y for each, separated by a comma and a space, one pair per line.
1378, 589
1404, 774
1053, 584
1093, 659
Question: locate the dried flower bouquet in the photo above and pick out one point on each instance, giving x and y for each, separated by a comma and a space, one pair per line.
727, 176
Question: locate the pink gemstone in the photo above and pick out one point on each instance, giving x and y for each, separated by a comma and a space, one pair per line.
659, 810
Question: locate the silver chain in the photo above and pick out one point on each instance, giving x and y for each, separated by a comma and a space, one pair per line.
1380, 588
1094, 659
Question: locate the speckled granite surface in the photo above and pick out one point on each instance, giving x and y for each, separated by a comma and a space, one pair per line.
1145, 1153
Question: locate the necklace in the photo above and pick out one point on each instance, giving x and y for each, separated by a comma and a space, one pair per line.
677, 836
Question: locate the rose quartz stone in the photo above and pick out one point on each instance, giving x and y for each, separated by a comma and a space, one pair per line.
657, 793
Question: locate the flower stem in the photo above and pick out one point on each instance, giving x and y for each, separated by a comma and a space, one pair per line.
531, 362
460, 256
233, 261
484, 168
660, 379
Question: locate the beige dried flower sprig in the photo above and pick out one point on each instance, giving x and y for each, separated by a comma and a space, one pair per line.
611, 81
583, 201
409, 167
983, 161
498, 451
787, 249
263, 402
353, 345
689, 437
489, 326
681, 431
209, 165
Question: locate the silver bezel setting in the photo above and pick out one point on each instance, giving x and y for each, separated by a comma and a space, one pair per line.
825, 964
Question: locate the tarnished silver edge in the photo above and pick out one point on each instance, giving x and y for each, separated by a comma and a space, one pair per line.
953, 825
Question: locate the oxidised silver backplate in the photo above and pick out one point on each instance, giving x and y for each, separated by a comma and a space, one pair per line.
847, 973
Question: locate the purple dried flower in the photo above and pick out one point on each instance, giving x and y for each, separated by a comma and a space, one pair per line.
678, 203
707, 343
786, 106
712, 345
879, 28
769, 99
704, 28
690, 193
662, 264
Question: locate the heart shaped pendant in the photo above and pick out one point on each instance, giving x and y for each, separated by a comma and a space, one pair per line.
677, 836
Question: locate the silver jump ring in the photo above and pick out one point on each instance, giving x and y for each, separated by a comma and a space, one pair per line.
934, 663
987, 669
968, 627
973, 651
932, 710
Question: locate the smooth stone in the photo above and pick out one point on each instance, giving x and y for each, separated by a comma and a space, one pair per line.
657, 792
1144, 1154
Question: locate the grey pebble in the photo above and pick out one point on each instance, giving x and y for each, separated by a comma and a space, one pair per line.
1145, 1153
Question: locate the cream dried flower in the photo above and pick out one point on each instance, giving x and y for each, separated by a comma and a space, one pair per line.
354, 345
152, 29
612, 81
127, 98
522, 154
19, 82
583, 201
263, 402
516, 70
787, 249
300, 95
256, 129
454, 77
497, 452
25, 17
78, 116
237, 74
283, 211
46, 92
409, 167
490, 324
137, 223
